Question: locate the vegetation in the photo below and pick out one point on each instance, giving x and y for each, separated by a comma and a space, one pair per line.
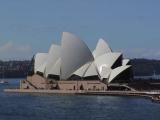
145, 67
19, 69
14, 69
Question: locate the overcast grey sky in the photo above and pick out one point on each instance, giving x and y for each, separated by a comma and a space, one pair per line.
30, 26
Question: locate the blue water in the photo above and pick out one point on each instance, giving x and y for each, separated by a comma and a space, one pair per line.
72, 107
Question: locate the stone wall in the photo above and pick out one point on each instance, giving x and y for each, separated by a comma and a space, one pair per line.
38, 82
82, 85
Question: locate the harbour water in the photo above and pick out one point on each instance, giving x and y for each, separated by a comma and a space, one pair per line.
16, 106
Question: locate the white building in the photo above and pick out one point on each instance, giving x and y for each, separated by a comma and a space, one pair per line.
73, 60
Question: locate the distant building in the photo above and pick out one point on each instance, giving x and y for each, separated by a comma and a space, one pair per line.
72, 66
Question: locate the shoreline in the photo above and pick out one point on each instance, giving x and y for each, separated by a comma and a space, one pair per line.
154, 96
147, 94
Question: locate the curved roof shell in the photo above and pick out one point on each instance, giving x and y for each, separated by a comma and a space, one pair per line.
91, 71
106, 60
126, 62
82, 70
55, 69
101, 48
42, 68
75, 54
40, 59
53, 56
117, 71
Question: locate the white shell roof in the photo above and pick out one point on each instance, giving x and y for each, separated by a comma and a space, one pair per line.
92, 71
101, 48
53, 55
117, 71
105, 72
40, 59
42, 68
106, 60
75, 54
125, 62
55, 70
82, 70
73, 57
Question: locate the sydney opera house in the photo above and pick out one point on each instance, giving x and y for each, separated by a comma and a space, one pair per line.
72, 66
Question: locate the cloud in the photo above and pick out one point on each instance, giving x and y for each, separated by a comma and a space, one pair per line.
14, 51
149, 53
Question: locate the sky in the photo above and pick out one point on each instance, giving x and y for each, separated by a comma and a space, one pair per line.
31, 26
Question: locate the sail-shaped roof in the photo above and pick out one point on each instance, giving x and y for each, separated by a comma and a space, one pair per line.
82, 70
75, 54
40, 59
107, 59
55, 70
117, 71
53, 56
91, 71
125, 62
101, 48
42, 68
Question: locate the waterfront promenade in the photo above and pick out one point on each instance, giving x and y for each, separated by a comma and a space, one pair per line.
83, 92
153, 95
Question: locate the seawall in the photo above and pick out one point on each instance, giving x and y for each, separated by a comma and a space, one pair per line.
83, 92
